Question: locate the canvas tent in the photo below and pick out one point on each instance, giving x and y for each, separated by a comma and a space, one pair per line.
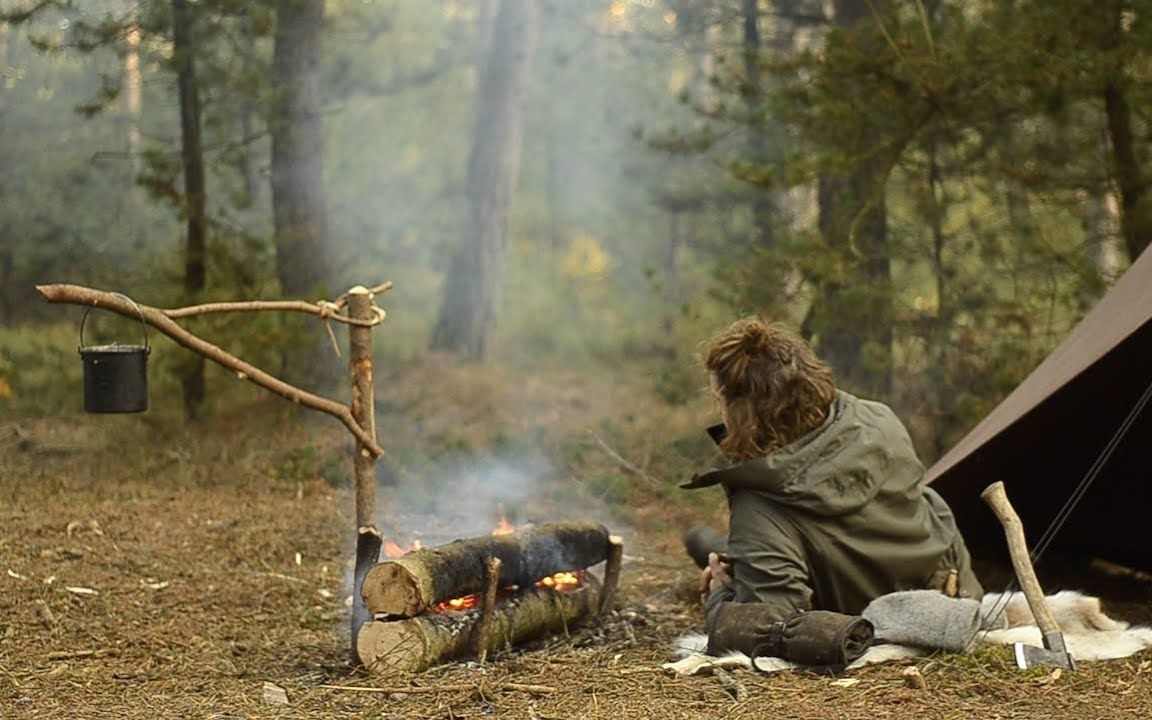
1045, 436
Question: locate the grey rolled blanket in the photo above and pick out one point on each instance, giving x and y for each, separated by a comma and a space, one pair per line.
925, 618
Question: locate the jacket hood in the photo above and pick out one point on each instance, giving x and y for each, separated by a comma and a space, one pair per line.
835, 469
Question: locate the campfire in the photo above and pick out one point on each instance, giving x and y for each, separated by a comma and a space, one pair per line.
482, 594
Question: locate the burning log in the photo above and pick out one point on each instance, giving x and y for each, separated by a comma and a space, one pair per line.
410, 585
418, 643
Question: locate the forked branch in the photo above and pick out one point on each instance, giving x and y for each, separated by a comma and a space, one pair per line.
160, 319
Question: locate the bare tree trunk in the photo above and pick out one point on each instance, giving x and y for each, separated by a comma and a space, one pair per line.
1135, 213
1102, 218
762, 206
247, 166
6, 264
298, 197
472, 290
1135, 203
195, 249
299, 204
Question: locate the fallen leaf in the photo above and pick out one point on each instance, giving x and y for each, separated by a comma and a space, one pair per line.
274, 694
81, 590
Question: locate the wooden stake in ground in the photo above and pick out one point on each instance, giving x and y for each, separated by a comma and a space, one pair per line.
612, 567
487, 610
410, 585
368, 538
415, 644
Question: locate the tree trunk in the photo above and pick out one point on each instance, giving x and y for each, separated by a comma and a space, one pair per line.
762, 206
1135, 208
195, 249
419, 643
298, 197
422, 579
1135, 204
299, 206
470, 305
853, 315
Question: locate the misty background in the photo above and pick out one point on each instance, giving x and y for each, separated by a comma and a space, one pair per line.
570, 196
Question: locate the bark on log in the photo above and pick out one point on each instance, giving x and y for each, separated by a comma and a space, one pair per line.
409, 585
415, 644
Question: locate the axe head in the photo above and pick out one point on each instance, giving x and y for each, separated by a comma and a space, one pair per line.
1054, 654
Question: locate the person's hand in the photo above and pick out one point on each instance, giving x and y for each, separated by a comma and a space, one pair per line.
717, 574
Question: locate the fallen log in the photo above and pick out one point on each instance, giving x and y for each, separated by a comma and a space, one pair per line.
418, 643
408, 586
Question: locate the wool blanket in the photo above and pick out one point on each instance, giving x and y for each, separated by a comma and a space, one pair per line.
1005, 619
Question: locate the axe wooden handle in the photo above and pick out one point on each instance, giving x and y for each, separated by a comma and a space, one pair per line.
997, 499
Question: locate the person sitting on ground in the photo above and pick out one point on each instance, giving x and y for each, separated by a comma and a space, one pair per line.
826, 508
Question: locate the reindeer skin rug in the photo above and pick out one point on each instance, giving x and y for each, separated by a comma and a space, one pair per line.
1089, 634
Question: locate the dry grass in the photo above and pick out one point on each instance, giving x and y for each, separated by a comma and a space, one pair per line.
147, 572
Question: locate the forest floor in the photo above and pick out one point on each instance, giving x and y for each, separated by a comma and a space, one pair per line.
151, 570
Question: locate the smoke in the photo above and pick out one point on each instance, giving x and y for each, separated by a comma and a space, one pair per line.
470, 496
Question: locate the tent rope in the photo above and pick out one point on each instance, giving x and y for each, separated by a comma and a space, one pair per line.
1072, 501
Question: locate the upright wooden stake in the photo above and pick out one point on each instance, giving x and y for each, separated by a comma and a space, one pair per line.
368, 538
612, 572
487, 609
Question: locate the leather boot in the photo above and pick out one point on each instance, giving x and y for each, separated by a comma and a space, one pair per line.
816, 637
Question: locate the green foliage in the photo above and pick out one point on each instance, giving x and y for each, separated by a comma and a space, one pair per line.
662, 191
677, 383
41, 370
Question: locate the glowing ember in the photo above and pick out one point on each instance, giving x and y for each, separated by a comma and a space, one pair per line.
562, 580
504, 527
460, 603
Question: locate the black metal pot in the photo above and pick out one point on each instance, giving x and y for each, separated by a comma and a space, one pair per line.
115, 376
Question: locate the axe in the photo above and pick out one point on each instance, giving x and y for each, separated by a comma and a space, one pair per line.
1054, 653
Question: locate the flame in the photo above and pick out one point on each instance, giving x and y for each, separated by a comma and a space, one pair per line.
504, 527
392, 550
562, 580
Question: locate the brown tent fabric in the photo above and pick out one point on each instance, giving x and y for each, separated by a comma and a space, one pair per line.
1045, 436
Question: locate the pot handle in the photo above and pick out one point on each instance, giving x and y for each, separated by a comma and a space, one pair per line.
147, 347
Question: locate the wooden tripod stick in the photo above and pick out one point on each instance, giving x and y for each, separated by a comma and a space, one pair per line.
359, 418
363, 410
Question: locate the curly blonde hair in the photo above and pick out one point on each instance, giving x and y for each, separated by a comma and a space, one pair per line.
770, 387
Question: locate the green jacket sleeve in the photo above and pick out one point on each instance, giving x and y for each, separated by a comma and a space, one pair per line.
768, 559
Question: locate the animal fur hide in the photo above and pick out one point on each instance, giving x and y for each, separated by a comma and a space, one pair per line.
1088, 633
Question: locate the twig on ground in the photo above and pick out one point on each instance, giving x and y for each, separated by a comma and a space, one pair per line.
624, 463
415, 690
535, 689
731, 685
426, 689
75, 654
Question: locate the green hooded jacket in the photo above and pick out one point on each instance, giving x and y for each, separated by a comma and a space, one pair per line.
837, 518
